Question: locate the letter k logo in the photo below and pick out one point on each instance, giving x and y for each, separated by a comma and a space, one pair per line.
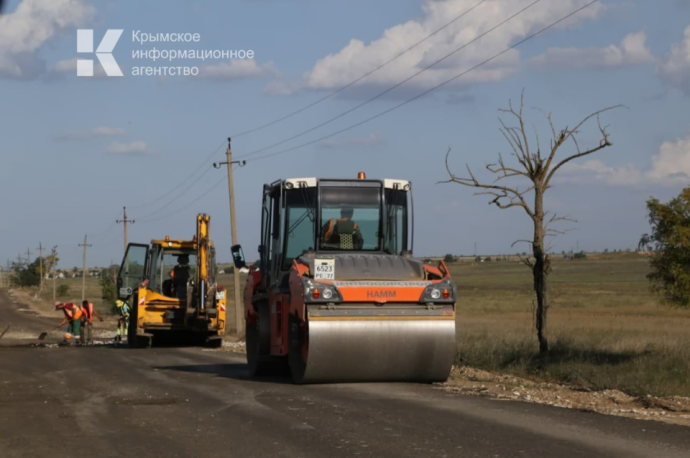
85, 44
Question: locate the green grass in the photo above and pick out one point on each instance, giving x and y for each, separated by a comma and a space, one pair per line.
605, 327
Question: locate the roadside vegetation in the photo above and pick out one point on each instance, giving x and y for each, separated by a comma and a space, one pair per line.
607, 329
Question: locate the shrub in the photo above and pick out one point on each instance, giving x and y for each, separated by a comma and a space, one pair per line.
62, 290
449, 258
580, 255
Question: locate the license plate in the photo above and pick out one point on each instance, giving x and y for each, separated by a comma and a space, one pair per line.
325, 269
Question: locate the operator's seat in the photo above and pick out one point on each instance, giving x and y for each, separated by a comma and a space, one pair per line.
340, 235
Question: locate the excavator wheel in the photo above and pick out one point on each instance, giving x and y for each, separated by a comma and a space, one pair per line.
214, 342
133, 317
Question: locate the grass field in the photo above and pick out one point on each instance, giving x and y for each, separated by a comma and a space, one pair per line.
606, 329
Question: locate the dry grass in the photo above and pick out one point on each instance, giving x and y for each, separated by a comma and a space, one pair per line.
605, 328
93, 292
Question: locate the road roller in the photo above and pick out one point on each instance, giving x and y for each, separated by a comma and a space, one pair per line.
337, 295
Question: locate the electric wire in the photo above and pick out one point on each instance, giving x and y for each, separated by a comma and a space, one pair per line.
355, 81
495, 56
183, 181
381, 94
176, 197
318, 101
218, 183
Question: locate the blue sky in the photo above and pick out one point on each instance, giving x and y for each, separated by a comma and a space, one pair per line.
75, 150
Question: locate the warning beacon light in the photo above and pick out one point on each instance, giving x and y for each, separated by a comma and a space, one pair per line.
361, 176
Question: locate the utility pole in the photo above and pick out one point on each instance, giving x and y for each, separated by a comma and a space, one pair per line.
124, 221
83, 275
53, 264
28, 257
239, 307
40, 261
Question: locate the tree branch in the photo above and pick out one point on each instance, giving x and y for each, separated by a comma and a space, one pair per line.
569, 133
516, 197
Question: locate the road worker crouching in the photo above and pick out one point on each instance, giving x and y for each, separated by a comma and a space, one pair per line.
73, 315
88, 311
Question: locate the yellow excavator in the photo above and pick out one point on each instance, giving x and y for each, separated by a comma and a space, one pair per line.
171, 290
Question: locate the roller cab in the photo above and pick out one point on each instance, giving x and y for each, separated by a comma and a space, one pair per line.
338, 296
171, 289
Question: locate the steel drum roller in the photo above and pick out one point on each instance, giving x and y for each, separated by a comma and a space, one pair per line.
390, 349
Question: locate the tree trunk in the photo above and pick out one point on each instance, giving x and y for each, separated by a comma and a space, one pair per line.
540, 271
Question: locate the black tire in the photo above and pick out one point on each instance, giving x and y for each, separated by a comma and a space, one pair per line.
298, 364
258, 343
133, 318
214, 343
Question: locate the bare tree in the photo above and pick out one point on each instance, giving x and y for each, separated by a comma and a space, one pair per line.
537, 170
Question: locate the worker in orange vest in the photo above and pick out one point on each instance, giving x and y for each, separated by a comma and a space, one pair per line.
73, 315
88, 311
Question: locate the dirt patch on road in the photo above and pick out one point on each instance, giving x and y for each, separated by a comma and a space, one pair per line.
466, 380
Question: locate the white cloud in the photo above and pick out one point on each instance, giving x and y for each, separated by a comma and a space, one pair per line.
33, 24
675, 67
358, 58
372, 140
134, 148
236, 70
70, 66
95, 132
670, 167
632, 51
282, 87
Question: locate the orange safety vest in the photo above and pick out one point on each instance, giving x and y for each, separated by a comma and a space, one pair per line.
329, 232
88, 312
72, 311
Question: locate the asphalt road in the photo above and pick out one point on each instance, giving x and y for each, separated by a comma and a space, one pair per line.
188, 402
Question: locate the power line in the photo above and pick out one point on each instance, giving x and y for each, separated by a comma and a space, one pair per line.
352, 83
218, 183
381, 94
495, 56
331, 94
183, 181
177, 196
